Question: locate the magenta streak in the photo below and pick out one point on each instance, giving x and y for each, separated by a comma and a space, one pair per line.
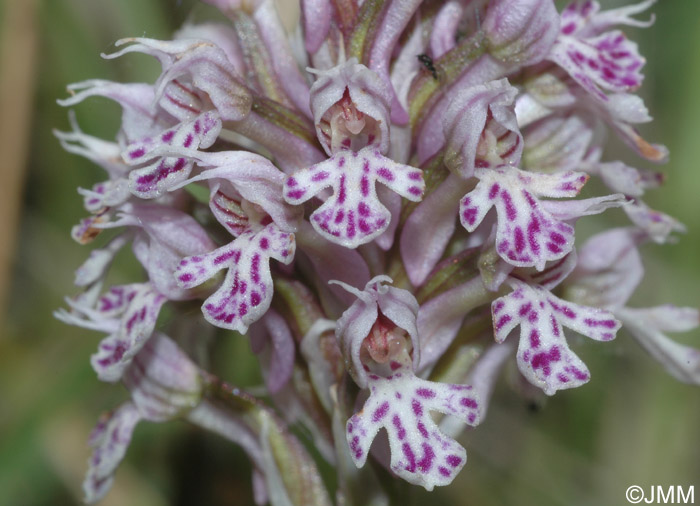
427, 461
380, 412
400, 431
319, 176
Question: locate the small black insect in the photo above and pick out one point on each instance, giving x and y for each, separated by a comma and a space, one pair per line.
428, 62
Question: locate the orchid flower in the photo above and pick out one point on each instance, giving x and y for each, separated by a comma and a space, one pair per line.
372, 335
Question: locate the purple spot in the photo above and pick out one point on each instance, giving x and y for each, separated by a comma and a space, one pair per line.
425, 393
502, 321
544, 360
600, 323
355, 447
341, 191
186, 277
410, 456
255, 299
363, 209
553, 248
364, 186
400, 431
319, 176
137, 153
580, 375
414, 190
519, 240
469, 215
223, 257
511, 212
557, 238
364, 227
417, 407
351, 225
386, 174
423, 431
427, 461
444, 471
291, 181
242, 309
468, 402
525, 309
534, 338
296, 194
555, 326
454, 460
168, 136
494, 191
188, 140
264, 243
380, 412
255, 269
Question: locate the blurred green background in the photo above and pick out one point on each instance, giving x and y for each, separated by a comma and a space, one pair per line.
632, 424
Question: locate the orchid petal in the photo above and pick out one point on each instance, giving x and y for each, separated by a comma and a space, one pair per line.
398, 305
163, 381
109, 439
570, 210
246, 292
527, 235
584, 17
239, 175
335, 92
657, 225
544, 357
137, 322
609, 269
167, 171
401, 404
95, 267
481, 128
221, 35
557, 143
139, 116
646, 326
606, 63
105, 154
207, 66
354, 214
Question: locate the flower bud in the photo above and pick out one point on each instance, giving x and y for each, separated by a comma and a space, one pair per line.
521, 32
